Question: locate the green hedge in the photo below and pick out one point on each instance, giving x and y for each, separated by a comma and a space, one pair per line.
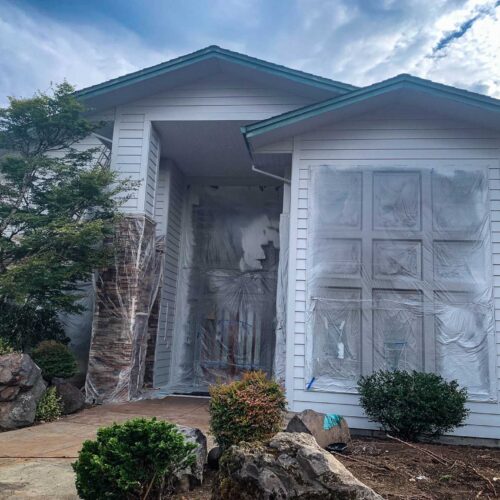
136, 459
412, 405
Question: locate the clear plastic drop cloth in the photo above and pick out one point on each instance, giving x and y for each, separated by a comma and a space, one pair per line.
279, 365
78, 326
399, 275
126, 292
226, 303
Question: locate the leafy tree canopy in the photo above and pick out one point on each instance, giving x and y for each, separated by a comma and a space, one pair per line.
57, 202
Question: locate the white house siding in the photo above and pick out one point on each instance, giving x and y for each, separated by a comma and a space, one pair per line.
136, 155
217, 97
152, 173
168, 216
378, 137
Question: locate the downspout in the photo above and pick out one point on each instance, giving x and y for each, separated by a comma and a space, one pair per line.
258, 170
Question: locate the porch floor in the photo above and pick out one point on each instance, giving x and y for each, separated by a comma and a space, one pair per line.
35, 462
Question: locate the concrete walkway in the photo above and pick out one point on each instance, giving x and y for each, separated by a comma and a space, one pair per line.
35, 462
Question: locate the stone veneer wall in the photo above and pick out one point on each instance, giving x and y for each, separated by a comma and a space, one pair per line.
125, 295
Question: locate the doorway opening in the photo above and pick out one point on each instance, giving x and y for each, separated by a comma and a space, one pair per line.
227, 285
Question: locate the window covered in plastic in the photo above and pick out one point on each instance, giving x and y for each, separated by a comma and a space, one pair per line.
399, 274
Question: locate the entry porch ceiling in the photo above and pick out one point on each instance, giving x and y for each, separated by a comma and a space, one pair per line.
215, 149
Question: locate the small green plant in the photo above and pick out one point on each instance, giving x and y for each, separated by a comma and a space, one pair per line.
55, 360
136, 459
251, 409
49, 407
412, 405
5, 347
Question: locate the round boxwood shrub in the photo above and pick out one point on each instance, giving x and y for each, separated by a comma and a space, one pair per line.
49, 407
54, 359
136, 459
250, 409
412, 405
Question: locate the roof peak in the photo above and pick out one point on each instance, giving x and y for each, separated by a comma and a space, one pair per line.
218, 52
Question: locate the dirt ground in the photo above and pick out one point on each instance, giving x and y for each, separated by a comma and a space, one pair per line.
399, 471
35, 462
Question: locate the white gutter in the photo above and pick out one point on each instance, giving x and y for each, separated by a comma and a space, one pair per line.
263, 172
102, 138
258, 170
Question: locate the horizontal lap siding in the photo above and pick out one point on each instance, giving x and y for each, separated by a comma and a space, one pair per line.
151, 173
168, 216
379, 138
219, 97
130, 153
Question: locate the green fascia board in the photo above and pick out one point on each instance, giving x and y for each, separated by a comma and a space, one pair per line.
359, 95
209, 53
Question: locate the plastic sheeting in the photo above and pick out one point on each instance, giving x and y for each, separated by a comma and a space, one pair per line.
279, 366
399, 275
125, 295
225, 313
78, 327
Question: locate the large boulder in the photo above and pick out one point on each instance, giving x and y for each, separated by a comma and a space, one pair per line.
71, 397
289, 466
213, 457
21, 387
312, 422
193, 476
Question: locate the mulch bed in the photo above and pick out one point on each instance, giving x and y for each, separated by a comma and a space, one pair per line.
398, 470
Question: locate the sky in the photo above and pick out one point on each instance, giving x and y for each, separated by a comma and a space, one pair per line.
456, 42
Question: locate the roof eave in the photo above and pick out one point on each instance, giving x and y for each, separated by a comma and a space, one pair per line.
217, 53
399, 82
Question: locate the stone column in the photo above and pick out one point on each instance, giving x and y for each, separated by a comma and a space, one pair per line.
125, 295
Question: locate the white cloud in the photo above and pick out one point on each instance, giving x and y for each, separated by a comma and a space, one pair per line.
35, 51
355, 41
472, 61
364, 42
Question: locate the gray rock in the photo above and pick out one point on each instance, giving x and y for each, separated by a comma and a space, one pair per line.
21, 387
72, 398
18, 373
311, 422
20, 412
289, 466
213, 457
193, 476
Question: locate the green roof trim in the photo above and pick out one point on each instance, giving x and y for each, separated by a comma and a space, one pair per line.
210, 52
398, 82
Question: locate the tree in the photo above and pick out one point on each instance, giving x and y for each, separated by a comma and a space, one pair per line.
57, 203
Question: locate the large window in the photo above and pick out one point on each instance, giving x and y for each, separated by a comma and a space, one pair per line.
399, 274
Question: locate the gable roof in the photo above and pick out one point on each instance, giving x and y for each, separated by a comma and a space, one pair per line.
218, 53
311, 112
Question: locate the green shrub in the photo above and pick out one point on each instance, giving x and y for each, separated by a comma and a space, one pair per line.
5, 347
49, 407
411, 405
249, 410
55, 360
23, 327
136, 459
